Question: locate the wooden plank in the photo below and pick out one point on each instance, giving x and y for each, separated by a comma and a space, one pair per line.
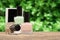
33, 36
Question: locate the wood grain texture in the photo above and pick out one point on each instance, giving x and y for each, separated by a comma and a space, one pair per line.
33, 36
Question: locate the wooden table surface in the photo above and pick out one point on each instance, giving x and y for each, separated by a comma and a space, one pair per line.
33, 36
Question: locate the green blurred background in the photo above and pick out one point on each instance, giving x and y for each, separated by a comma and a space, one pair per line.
44, 14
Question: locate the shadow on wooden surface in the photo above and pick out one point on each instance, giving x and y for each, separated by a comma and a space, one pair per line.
33, 36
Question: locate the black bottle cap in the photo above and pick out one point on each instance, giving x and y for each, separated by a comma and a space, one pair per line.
11, 14
19, 11
26, 16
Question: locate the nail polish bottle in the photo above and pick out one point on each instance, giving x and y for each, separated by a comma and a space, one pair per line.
19, 19
26, 27
10, 14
